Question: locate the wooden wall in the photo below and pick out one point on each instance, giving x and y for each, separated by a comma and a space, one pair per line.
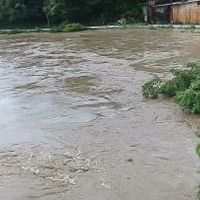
187, 13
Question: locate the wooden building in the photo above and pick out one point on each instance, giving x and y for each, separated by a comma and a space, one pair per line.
174, 11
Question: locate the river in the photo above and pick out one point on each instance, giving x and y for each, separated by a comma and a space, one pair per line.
74, 124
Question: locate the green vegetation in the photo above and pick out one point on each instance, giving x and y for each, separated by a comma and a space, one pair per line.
184, 87
198, 194
198, 153
62, 28
16, 31
19, 13
69, 28
151, 89
50, 13
198, 150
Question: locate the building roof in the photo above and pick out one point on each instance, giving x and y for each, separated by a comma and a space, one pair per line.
160, 3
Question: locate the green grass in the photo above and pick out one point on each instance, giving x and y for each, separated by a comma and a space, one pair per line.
69, 28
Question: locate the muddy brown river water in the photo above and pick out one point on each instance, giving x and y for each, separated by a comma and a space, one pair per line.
74, 124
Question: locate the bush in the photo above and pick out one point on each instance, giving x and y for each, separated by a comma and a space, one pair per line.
151, 89
69, 28
184, 87
198, 150
73, 27
189, 99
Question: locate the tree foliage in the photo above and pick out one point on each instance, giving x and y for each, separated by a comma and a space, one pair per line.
52, 12
14, 12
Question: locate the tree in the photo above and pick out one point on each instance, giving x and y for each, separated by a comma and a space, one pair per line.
54, 12
55, 9
19, 12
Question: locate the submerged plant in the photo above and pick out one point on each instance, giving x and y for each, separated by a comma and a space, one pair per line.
198, 194
184, 87
151, 89
198, 149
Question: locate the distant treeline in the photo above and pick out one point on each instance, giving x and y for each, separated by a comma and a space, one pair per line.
16, 13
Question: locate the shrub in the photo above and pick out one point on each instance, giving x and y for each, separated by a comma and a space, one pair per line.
151, 89
184, 87
73, 27
69, 28
189, 99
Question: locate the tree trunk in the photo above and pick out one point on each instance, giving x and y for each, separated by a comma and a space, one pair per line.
48, 21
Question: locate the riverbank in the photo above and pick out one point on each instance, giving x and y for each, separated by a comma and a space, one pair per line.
150, 26
127, 26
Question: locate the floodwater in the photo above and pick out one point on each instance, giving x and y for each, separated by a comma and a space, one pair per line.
74, 124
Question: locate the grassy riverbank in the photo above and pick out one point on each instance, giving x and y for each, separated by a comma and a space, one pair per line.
62, 28
79, 27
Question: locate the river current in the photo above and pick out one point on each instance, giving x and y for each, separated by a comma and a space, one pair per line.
74, 124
